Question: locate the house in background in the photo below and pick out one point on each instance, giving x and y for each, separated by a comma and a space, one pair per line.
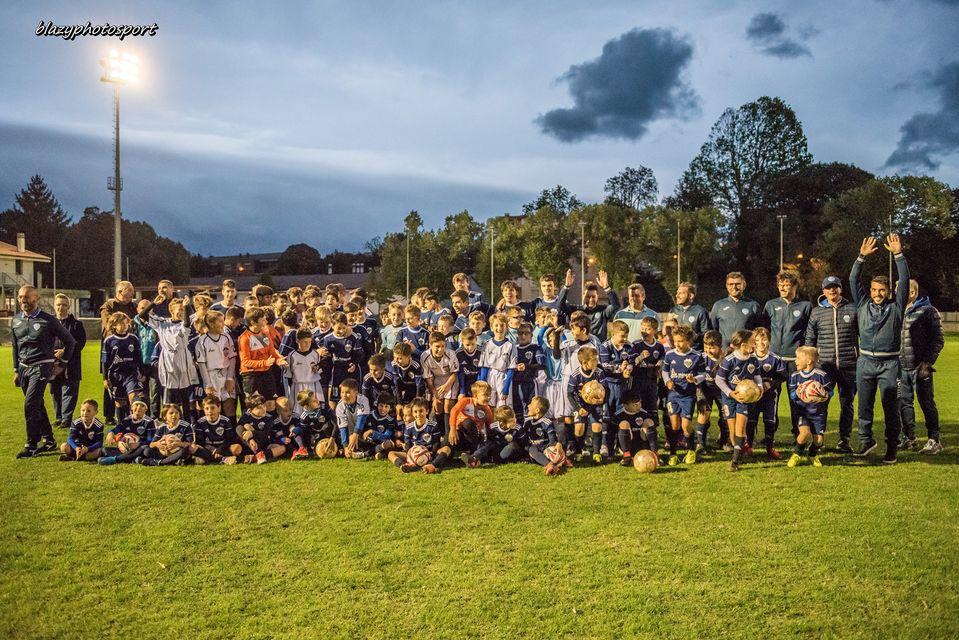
18, 268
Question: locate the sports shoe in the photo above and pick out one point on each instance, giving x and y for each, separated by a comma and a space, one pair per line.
300, 453
604, 451
380, 455
816, 462
734, 465
673, 460
149, 462
794, 460
773, 453
890, 457
260, 457
700, 447
65, 458
228, 460
690, 457
551, 469
843, 447
932, 447
47, 444
408, 468
906, 443
107, 460
627, 460
598, 458
465, 458
866, 449
473, 462
28, 451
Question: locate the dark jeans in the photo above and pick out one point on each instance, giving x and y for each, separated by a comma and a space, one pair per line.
845, 378
109, 407
64, 394
911, 386
873, 373
153, 391
33, 383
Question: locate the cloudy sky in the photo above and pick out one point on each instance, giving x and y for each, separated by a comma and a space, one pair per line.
261, 124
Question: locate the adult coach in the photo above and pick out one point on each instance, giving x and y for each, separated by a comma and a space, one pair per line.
833, 330
35, 335
735, 311
689, 313
65, 383
880, 337
121, 302
787, 319
922, 341
633, 314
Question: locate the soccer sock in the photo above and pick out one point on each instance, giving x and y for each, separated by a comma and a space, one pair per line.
597, 441
652, 438
399, 462
769, 433
701, 433
298, 439
738, 442
624, 441
132, 455
173, 457
671, 437
723, 433
439, 459
814, 448
750, 433
690, 441
800, 448
562, 434
581, 443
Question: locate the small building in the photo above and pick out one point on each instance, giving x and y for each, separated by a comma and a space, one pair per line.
18, 268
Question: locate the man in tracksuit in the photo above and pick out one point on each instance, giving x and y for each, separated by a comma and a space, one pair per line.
833, 330
787, 319
35, 336
734, 312
689, 313
880, 335
922, 342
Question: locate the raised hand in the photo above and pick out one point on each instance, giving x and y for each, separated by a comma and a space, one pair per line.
569, 278
868, 246
893, 243
602, 279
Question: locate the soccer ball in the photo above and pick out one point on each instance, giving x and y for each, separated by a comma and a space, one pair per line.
128, 442
645, 461
812, 391
748, 391
555, 454
326, 448
593, 393
419, 455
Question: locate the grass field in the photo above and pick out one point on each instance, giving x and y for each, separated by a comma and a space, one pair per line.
356, 549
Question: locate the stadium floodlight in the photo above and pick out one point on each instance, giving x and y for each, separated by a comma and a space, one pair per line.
119, 68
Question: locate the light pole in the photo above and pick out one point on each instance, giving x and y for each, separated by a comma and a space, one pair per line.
891, 285
407, 264
782, 218
492, 268
582, 259
679, 255
118, 68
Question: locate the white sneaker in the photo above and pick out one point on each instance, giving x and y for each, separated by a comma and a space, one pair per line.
932, 447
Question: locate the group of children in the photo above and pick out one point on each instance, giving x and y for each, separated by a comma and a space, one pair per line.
314, 373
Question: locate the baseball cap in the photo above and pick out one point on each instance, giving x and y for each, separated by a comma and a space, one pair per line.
831, 281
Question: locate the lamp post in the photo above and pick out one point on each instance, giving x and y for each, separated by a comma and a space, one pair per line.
582, 259
492, 268
118, 68
782, 218
407, 264
679, 255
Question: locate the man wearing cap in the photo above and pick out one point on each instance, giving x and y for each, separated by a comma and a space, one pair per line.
833, 330
734, 312
880, 337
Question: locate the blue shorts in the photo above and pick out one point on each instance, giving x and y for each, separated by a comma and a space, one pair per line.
614, 397
732, 408
595, 413
123, 386
680, 405
816, 423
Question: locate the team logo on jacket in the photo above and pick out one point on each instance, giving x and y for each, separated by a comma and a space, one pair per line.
348, 346
777, 309
767, 367
219, 431
846, 318
745, 312
427, 437
692, 319
688, 362
750, 368
130, 348
726, 308
480, 414
36, 326
797, 313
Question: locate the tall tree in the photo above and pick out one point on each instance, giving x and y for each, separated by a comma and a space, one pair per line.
38, 215
507, 236
425, 270
558, 198
633, 188
698, 248
459, 242
299, 259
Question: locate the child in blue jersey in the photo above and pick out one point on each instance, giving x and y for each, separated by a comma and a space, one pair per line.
812, 412
314, 425
635, 427
85, 439
351, 415
376, 440
255, 430
565, 350
365, 332
414, 333
477, 322
120, 363
395, 315
498, 362
423, 431
537, 433
683, 370
468, 356
588, 416
378, 381
529, 362
283, 424
708, 395
616, 360
440, 368
138, 424
510, 299
504, 440
649, 354
344, 355
772, 369
444, 325
407, 375
739, 364
514, 318
172, 441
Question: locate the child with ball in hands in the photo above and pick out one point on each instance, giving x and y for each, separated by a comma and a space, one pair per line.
737, 367
810, 388
423, 446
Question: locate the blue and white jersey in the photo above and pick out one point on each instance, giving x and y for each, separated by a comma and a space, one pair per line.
367, 337
280, 428
483, 338
636, 421
460, 322
569, 363
418, 337
500, 435
408, 380
143, 429
432, 317
351, 416
712, 368
469, 368
317, 423
382, 426
82, 434
772, 369
120, 355
676, 366
388, 335
343, 352
258, 425
498, 355
649, 357
533, 361
611, 359
734, 368
539, 433
373, 388
820, 376
318, 335
553, 365
215, 434
578, 381
429, 435
183, 430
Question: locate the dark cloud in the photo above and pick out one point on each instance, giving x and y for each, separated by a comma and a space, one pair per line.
767, 32
216, 205
925, 135
636, 80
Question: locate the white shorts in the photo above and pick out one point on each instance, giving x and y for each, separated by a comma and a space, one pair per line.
454, 390
218, 382
496, 380
296, 387
559, 405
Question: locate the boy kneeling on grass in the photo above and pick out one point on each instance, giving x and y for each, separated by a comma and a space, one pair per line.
85, 441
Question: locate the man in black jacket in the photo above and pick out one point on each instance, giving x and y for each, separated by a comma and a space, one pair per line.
65, 385
922, 341
833, 330
35, 333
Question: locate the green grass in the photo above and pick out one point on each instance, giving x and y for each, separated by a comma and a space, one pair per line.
353, 549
